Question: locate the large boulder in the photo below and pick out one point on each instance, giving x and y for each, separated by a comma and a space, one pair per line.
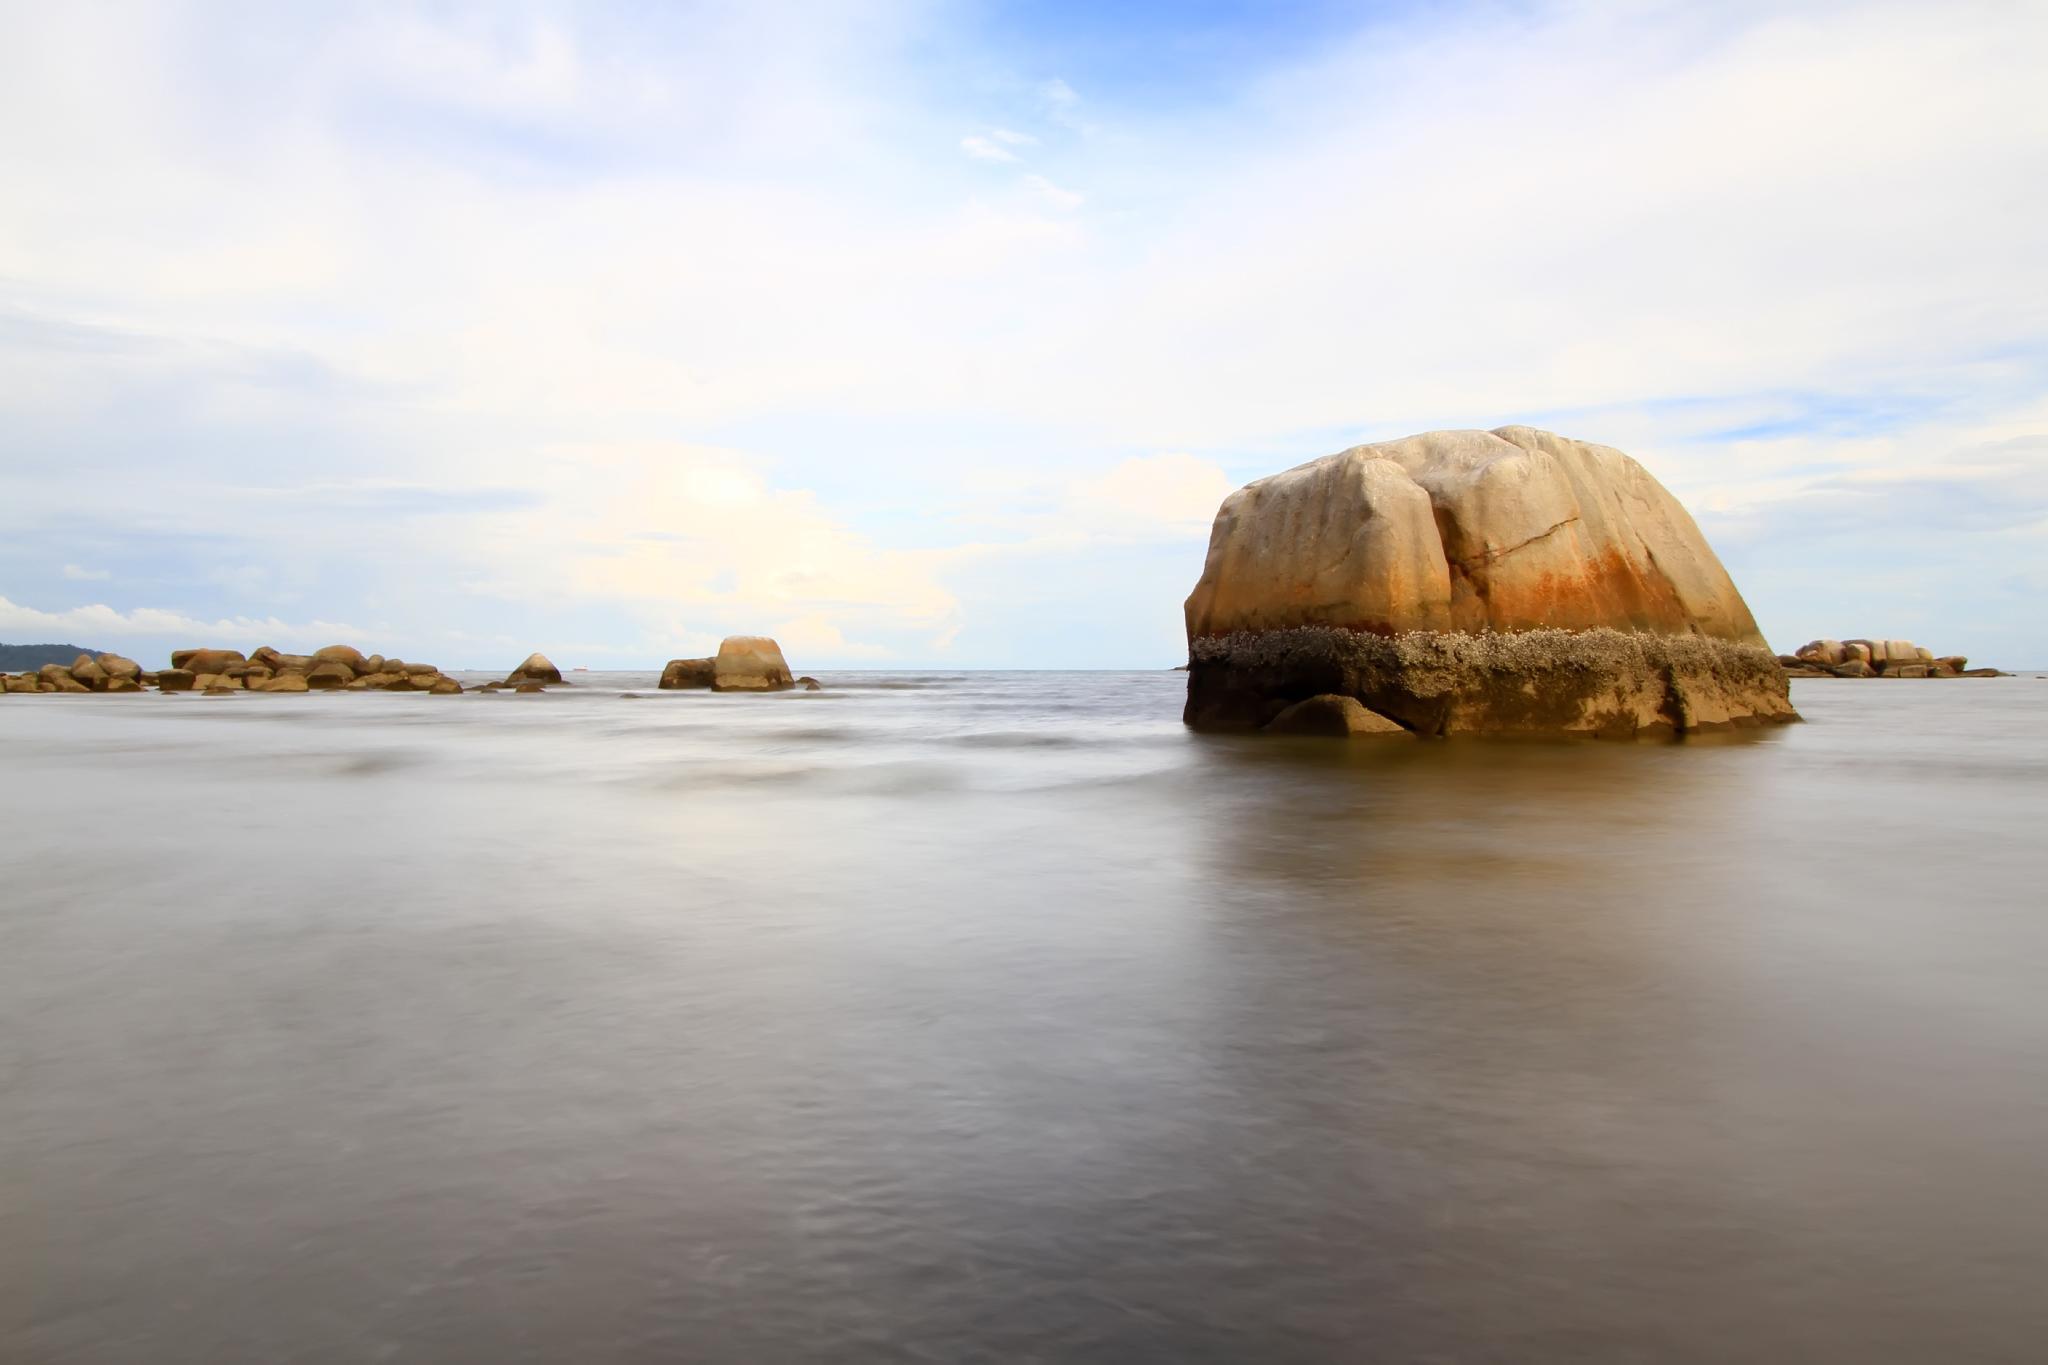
1510, 581
750, 663
57, 678
685, 673
282, 682
206, 660
329, 675
175, 679
116, 666
348, 655
89, 673
537, 669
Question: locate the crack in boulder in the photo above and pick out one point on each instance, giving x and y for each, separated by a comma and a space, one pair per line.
1494, 556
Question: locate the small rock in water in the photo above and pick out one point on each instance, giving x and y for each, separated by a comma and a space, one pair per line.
537, 669
1334, 716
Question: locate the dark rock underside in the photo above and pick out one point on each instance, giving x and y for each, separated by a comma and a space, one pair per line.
1596, 682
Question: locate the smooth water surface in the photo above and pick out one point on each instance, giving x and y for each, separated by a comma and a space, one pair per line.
994, 1017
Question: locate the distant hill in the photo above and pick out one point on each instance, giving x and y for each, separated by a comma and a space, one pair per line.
22, 658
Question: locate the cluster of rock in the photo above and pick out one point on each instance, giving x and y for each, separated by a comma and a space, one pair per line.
219, 671
1876, 659
744, 663
86, 673
1508, 581
334, 668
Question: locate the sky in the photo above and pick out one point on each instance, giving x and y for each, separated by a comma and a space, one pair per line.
931, 335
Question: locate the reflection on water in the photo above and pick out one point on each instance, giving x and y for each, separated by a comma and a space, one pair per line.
993, 1017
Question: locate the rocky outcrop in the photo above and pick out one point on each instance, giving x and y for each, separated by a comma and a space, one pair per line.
85, 673
1877, 659
744, 663
1460, 581
750, 663
221, 671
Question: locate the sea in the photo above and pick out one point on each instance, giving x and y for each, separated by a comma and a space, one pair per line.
962, 1017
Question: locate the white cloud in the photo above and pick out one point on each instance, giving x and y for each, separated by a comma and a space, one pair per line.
97, 622
1063, 199
73, 573
983, 149
1060, 102
1177, 492
814, 635
1013, 137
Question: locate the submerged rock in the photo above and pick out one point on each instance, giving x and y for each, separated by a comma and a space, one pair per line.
1339, 717
1507, 581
